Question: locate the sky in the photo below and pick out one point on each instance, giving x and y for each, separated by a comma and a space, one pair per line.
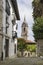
25, 10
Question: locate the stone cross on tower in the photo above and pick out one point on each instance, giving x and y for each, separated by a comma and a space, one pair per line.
24, 32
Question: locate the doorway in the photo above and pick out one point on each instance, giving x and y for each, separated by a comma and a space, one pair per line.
6, 47
15, 48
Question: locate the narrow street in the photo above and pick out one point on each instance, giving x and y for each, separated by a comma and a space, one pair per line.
23, 61
21, 32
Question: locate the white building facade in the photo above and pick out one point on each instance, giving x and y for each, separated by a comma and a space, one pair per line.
8, 28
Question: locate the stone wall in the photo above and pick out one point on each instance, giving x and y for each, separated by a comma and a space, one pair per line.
40, 47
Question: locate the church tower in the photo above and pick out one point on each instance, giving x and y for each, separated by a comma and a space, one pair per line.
24, 32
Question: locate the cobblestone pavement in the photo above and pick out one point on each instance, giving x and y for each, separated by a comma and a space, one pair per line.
22, 61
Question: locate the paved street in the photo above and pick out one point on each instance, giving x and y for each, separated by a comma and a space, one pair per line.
22, 61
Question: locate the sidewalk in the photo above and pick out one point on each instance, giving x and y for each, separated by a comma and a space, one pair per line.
22, 61
6, 61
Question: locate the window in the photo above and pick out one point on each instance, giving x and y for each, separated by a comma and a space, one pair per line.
6, 24
6, 30
24, 29
7, 7
6, 19
16, 26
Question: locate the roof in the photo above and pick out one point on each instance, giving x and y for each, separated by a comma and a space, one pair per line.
28, 41
21, 39
24, 24
15, 6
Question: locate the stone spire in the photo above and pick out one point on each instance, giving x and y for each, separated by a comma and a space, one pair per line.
24, 33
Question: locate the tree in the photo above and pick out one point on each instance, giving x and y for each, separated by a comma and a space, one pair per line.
38, 19
21, 45
31, 48
38, 28
37, 8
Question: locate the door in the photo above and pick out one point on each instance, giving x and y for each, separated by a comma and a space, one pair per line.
6, 47
15, 49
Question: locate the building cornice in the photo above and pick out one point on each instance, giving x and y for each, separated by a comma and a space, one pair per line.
14, 3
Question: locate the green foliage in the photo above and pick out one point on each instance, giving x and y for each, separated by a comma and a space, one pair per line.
21, 44
38, 28
37, 8
38, 18
31, 48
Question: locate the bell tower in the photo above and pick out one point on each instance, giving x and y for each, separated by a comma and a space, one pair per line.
24, 32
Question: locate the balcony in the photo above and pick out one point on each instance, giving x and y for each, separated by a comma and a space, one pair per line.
14, 34
13, 22
7, 25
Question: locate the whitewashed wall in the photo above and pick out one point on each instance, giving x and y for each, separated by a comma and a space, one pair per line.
11, 42
4, 26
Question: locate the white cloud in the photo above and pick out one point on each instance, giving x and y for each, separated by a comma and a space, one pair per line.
25, 9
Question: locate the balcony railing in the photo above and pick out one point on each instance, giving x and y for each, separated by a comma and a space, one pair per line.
7, 25
14, 34
13, 22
